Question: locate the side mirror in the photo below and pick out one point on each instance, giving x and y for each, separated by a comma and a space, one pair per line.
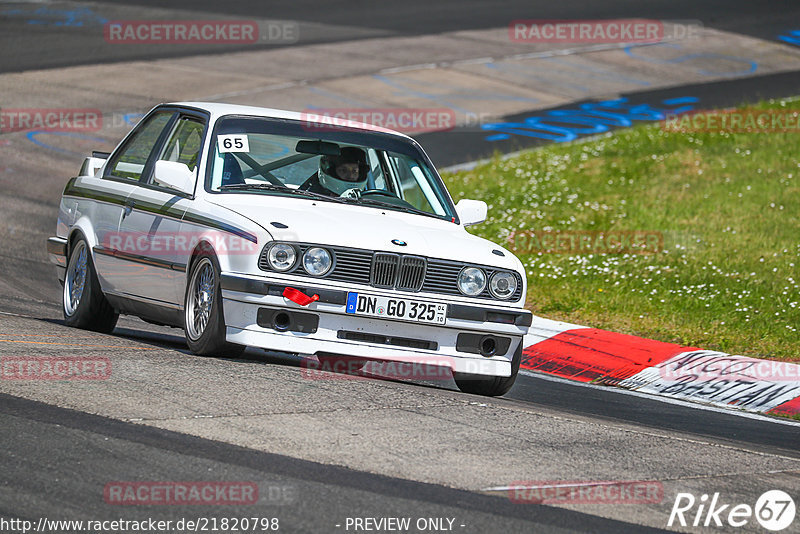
91, 166
471, 211
175, 175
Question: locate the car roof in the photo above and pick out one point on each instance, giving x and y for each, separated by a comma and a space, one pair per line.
217, 109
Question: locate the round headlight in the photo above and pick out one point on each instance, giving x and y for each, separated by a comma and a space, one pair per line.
471, 281
503, 285
281, 256
317, 261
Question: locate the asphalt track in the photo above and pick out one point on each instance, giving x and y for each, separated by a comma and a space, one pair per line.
85, 451
30, 42
343, 449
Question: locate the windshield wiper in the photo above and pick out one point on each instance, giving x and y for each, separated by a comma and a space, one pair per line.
379, 204
279, 188
243, 187
341, 200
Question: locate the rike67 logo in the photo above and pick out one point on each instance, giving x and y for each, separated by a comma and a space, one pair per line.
774, 510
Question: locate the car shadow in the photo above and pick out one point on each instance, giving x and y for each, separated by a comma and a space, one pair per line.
163, 337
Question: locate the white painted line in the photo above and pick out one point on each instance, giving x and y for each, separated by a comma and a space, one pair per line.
581, 50
420, 66
667, 400
19, 315
477, 60
263, 89
569, 51
575, 484
514, 57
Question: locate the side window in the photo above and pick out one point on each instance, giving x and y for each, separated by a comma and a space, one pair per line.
184, 143
415, 186
130, 162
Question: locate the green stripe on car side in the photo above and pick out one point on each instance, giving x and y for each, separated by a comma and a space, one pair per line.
138, 258
164, 210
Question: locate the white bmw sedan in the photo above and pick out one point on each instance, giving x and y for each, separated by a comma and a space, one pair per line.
252, 227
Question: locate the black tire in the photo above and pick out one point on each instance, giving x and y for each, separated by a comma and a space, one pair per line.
82, 301
491, 386
203, 320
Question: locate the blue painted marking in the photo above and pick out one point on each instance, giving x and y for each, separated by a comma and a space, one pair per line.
352, 300
752, 66
132, 118
32, 136
536, 127
680, 100
562, 125
46, 16
793, 37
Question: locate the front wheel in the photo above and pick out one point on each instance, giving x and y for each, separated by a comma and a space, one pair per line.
203, 319
83, 303
490, 386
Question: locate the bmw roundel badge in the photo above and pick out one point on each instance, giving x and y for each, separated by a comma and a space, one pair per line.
399, 242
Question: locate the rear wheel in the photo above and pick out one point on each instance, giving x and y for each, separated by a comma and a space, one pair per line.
489, 386
203, 319
83, 303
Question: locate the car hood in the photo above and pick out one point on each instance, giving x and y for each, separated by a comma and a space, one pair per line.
347, 225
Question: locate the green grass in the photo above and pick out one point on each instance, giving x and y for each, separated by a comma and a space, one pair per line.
727, 204
792, 416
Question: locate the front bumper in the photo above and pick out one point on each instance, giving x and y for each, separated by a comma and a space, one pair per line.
325, 327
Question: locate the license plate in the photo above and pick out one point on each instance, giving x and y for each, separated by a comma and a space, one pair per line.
392, 308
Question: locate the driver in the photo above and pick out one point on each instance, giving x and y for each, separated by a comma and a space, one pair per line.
339, 174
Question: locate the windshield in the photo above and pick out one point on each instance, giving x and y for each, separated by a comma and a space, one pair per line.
264, 156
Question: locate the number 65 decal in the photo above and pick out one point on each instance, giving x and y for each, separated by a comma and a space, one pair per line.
233, 143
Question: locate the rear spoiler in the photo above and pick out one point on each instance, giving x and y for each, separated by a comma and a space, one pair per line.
93, 164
